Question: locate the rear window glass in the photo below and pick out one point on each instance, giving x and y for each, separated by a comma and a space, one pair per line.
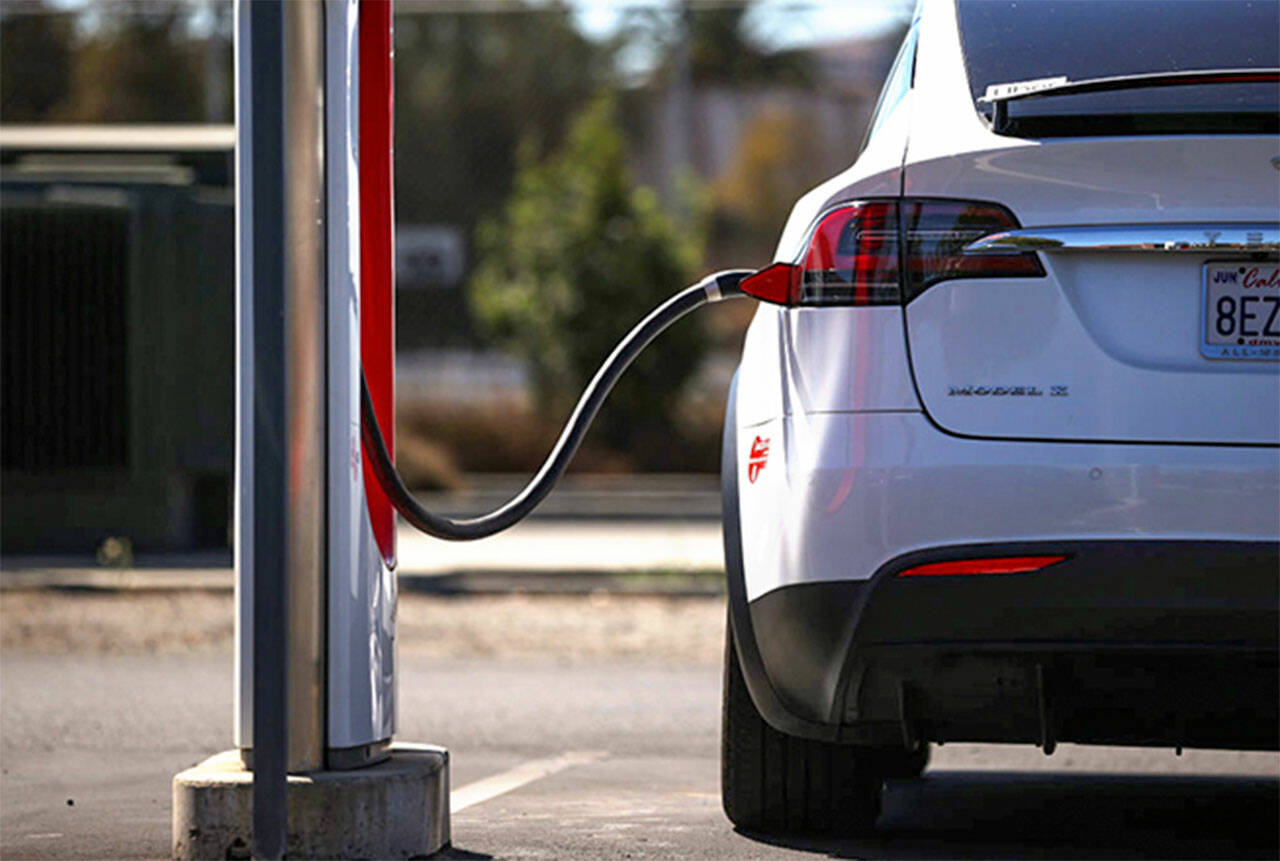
1006, 41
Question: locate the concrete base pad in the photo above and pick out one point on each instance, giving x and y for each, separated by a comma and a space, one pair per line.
398, 808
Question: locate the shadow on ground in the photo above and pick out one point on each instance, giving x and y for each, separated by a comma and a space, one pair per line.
1046, 815
452, 853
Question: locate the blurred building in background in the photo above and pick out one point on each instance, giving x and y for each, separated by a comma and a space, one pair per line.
118, 335
117, 273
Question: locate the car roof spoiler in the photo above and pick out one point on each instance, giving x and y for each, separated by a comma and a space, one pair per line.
999, 95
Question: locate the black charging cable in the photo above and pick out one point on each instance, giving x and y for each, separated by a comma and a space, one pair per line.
713, 288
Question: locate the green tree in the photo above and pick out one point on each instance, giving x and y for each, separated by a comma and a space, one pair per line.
710, 43
138, 65
472, 82
115, 61
579, 256
35, 53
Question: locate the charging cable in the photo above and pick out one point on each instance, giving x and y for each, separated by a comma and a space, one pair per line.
713, 288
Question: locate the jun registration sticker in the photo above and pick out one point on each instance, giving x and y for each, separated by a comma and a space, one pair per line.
1241, 311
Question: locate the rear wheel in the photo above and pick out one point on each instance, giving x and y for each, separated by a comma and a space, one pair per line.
774, 782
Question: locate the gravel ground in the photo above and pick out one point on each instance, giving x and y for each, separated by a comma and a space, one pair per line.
568, 628
63, 622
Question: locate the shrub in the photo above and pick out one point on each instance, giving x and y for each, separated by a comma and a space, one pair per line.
579, 255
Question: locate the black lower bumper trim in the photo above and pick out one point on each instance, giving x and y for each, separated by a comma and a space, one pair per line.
1125, 591
1125, 642
1047, 693
803, 634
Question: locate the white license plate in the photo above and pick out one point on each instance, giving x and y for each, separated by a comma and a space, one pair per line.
1241, 311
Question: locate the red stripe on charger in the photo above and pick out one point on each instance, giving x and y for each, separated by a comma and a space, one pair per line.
377, 249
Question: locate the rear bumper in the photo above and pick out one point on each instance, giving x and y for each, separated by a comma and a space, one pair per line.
843, 494
1160, 630
1125, 642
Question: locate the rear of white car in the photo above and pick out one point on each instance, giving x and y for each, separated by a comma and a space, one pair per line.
1003, 464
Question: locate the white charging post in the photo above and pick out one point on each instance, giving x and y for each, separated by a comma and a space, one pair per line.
314, 772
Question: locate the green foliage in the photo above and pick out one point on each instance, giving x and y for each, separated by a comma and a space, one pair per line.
113, 61
35, 52
712, 44
472, 81
721, 51
139, 67
579, 256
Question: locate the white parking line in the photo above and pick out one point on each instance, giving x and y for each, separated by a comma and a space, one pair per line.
528, 772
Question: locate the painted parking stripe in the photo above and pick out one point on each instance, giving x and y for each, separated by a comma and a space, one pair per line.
528, 772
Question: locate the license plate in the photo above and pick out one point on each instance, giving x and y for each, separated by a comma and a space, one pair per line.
1241, 311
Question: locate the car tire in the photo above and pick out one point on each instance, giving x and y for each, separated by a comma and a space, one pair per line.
773, 782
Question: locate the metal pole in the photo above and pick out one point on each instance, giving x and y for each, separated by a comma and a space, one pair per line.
287, 199
270, 604
306, 336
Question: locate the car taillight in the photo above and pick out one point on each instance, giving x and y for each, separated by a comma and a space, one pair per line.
887, 252
936, 232
853, 257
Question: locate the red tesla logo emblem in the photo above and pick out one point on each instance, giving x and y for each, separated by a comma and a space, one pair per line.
758, 457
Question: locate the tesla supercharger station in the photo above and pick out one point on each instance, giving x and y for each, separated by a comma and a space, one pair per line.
315, 535
340, 525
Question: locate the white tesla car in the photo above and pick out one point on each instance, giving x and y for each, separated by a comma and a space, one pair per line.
1002, 455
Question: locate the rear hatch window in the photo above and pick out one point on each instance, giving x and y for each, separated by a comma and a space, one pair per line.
1011, 41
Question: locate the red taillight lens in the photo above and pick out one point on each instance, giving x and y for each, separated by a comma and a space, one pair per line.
853, 257
936, 233
855, 253
997, 565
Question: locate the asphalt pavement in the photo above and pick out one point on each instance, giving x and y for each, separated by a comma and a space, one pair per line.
557, 754
571, 666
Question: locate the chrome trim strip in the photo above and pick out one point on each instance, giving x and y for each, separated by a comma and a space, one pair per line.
1246, 237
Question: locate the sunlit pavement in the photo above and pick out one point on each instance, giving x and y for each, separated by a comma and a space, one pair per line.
607, 524
582, 546
603, 759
